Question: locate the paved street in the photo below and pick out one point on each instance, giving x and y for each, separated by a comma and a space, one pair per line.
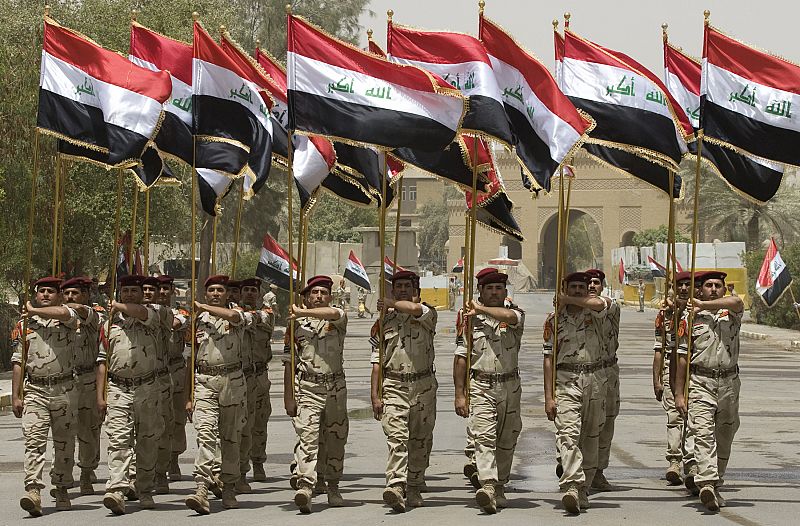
762, 486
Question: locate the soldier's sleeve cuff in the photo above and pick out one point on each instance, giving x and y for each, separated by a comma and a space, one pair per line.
461, 351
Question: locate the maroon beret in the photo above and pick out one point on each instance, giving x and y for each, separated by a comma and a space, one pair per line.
484, 272
75, 283
151, 280
251, 282
317, 281
165, 279
131, 280
218, 279
577, 276
683, 276
701, 277
485, 278
596, 273
405, 274
48, 281
234, 284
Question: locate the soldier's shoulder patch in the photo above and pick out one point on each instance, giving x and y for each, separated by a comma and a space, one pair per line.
183, 311
722, 313
98, 308
659, 319
682, 328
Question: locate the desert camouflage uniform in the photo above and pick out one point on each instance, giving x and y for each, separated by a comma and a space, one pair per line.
220, 405
256, 354
133, 417
610, 346
580, 391
88, 428
165, 391
50, 397
495, 391
321, 394
177, 372
409, 393
713, 389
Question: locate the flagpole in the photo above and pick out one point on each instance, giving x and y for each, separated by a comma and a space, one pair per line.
794, 301
56, 199
559, 277
134, 210
214, 244
472, 223
193, 255
63, 213
112, 281
397, 222
305, 244
146, 263
565, 233
670, 261
237, 229
382, 283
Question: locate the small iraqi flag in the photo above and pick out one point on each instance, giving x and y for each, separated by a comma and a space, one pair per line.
273, 266
389, 268
774, 278
459, 267
355, 272
622, 276
658, 270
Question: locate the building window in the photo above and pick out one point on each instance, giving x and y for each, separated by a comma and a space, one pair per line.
409, 192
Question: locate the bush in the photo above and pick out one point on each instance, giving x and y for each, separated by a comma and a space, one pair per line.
782, 314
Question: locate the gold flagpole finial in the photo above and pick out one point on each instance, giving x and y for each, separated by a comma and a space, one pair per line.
195, 16
369, 34
47, 10
481, 5
664, 27
134, 14
567, 16
389, 14
222, 30
555, 24
706, 16
258, 44
288, 9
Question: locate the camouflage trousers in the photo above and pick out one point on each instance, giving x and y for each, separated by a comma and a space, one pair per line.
581, 404
713, 422
164, 388
409, 416
321, 414
612, 411
88, 429
254, 434
49, 409
220, 410
178, 402
680, 444
133, 425
494, 423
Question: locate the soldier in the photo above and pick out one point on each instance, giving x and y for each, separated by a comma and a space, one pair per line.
75, 293
407, 406
132, 406
220, 404
578, 408
495, 388
319, 405
257, 344
234, 293
48, 350
177, 373
610, 345
678, 448
713, 401
270, 298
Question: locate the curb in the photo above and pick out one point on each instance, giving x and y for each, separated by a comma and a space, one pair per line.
756, 336
5, 398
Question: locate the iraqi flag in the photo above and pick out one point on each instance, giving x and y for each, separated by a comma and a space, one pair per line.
389, 268
273, 266
658, 270
280, 108
339, 91
149, 171
774, 278
494, 209
632, 109
757, 178
751, 99
212, 187
95, 98
459, 266
454, 163
356, 273
365, 166
547, 127
232, 128
622, 277
461, 61
313, 159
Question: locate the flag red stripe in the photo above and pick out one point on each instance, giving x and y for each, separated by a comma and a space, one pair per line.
375, 48
165, 53
207, 50
251, 72
558, 44
434, 46
275, 71
765, 275
325, 149
271, 245
683, 67
105, 65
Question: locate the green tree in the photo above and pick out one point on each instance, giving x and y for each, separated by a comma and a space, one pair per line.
433, 233
651, 236
335, 220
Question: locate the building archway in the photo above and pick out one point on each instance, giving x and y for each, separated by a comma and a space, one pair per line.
514, 247
627, 239
584, 246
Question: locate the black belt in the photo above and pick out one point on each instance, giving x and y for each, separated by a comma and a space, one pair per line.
132, 382
610, 362
84, 370
495, 378
50, 381
582, 367
407, 377
218, 370
249, 370
320, 378
714, 373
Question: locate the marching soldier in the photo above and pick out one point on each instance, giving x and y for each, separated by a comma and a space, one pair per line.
713, 402
495, 389
75, 293
270, 299
257, 346
610, 345
578, 408
679, 446
48, 350
177, 373
132, 407
319, 404
234, 293
407, 407
220, 405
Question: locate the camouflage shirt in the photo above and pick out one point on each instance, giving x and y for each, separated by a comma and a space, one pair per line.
51, 345
611, 329
715, 338
133, 343
496, 344
219, 342
258, 336
88, 337
408, 341
581, 336
319, 345
664, 327
177, 336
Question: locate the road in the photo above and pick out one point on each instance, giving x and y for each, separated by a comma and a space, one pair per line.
762, 486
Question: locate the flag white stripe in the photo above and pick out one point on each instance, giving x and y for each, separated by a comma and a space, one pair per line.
275, 261
719, 85
309, 166
121, 107
314, 77
216, 180
689, 101
559, 136
357, 269
479, 73
180, 93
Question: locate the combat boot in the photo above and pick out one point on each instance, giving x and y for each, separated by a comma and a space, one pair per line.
469, 469
293, 482
229, 501
199, 501
146, 501
689, 481
93, 476
32, 501
559, 467
319, 487
583, 498
414, 497
62, 499
673, 474
500, 496
720, 499
161, 484
600, 483
485, 498
475, 480
241, 485
216, 486
174, 468
571, 499
115, 501
259, 475
335, 499
709, 497
86, 482
394, 497
302, 498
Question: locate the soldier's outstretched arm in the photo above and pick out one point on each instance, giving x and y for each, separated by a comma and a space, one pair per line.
321, 313
592, 303
733, 303
406, 307
59, 312
229, 315
500, 314
134, 310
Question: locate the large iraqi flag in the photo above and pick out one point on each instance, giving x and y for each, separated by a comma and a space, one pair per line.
95, 98
757, 178
344, 93
547, 126
280, 108
273, 266
774, 278
751, 99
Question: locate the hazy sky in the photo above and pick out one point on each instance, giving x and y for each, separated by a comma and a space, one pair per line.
631, 27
